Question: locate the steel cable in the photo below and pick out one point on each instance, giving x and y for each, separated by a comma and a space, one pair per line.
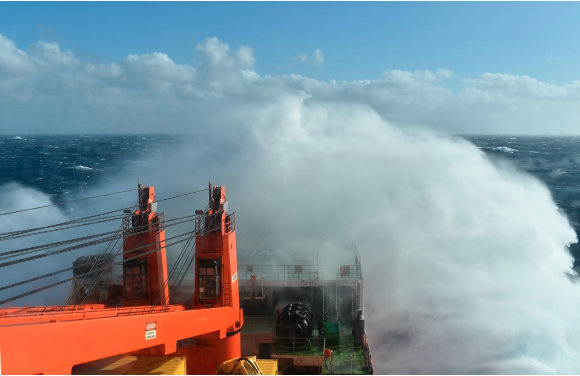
70, 279
35, 249
67, 202
105, 252
173, 270
11, 235
87, 244
18, 234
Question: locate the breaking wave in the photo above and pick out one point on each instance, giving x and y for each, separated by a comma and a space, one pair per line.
501, 149
82, 168
466, 262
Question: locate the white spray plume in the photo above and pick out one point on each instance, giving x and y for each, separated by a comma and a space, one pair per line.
465, 261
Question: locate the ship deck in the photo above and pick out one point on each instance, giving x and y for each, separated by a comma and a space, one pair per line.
266, 289
347, 359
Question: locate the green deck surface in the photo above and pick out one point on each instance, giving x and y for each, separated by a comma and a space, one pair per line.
342, 354
347, 359
310, 348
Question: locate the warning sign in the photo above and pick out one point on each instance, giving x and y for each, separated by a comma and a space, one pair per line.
150, 334
151, 330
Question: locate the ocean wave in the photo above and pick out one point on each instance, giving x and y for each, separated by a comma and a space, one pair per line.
17, 138
503, 149
82, 168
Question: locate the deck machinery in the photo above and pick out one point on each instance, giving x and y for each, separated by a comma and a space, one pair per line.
307, 316
205, 330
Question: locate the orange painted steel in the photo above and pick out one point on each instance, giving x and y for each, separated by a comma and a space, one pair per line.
49, 340
138, 293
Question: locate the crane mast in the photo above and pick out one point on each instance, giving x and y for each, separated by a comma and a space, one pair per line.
52, 340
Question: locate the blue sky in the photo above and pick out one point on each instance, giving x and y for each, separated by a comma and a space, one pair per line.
359, 40
458, 67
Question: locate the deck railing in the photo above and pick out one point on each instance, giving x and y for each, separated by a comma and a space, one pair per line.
280, 272
349, 272
258, 324
299, 346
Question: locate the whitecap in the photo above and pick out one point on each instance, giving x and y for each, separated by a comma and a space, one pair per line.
503, 149
17, 138
81, 167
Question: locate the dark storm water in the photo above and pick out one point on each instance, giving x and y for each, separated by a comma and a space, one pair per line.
65, 166
553, 160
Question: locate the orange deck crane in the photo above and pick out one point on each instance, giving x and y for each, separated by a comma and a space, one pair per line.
52, 340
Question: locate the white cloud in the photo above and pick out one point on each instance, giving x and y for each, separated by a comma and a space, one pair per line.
316, 59
13, 61
50, 54
155, 71
523, 86
148, 88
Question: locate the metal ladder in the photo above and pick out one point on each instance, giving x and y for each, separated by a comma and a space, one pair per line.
330, 303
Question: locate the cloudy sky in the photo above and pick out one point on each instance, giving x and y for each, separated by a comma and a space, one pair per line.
458, 68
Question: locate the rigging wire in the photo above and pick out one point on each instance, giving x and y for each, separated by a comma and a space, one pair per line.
104, 253
208, 222
185, 194
173, 270
178, 261
99, 269
119, 232
13, 234
208, 219
67, 202
119, 250
84, 264
91, 243
18, 234
183, 274
60, 229
38, 248
8, 235
166, 282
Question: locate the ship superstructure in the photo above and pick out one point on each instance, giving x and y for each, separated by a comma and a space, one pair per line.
332, 294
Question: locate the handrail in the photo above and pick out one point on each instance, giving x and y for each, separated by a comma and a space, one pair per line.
349, 271
296, 272
281, 272
267, 324
304, 345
